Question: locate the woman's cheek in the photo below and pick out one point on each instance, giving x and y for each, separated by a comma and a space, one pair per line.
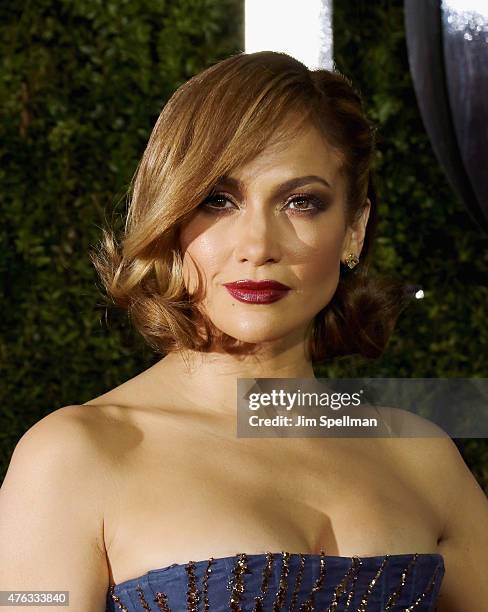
323, 262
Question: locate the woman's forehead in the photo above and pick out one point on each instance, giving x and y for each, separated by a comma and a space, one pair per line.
305, 153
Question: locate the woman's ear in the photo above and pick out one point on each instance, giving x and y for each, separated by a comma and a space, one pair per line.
354, 239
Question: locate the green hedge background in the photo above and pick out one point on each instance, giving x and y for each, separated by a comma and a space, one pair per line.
82, 83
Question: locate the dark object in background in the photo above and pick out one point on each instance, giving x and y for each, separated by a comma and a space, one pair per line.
447, 44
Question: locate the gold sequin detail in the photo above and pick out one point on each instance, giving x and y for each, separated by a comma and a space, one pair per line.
142, 599
237, 586
283, 582
364, 598
396, 592
426, 592
341, 587
206, 605
116, 599
357, 565
236, 583
309, 605
192, 595
298, 582
162, 600
259, 599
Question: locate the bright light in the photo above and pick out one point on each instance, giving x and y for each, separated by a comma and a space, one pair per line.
419, 294
468, 16
301, 29
477, 6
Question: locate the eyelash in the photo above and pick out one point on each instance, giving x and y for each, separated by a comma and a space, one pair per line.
318, 204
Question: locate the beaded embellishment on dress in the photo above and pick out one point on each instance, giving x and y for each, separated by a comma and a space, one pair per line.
291, 582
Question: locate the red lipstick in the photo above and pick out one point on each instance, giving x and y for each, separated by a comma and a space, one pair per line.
257, 292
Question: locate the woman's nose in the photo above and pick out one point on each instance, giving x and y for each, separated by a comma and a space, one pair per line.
257, 237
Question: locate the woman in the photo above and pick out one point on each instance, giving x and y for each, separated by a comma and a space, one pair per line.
144, 498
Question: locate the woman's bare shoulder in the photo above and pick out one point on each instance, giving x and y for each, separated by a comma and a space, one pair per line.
420, 447
109, 429
71, 423
438, 470
88, 422
432, 460
407, 424
74, 433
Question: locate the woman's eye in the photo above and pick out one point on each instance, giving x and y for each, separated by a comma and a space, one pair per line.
211, 201
312, 204
302, 205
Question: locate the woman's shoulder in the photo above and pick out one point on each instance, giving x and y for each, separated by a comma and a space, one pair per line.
407, 424
437, 470
431, 460
73, 435
59, 456
52, 503
78, 439
418, 444
68, 425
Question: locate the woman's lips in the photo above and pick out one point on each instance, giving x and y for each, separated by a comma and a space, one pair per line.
257, 292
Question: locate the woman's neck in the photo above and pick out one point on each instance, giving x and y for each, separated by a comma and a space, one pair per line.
207, 381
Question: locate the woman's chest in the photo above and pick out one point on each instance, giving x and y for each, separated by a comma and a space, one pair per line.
193, 497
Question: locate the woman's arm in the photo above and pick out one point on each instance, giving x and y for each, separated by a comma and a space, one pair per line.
465, 539
51, 513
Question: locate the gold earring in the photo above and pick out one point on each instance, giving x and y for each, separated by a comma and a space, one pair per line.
351, 260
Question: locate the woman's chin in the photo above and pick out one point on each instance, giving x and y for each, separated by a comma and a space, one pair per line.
257, 334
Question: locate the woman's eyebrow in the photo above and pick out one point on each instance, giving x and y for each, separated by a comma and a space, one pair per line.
293, 183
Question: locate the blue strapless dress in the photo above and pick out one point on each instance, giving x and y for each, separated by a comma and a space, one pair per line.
291, 582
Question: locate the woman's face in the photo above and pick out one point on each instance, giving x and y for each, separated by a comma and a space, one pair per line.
255, 228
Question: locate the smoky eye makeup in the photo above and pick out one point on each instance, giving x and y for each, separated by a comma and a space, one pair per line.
298, 204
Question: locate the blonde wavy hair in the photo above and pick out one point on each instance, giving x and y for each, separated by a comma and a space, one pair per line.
216, 121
